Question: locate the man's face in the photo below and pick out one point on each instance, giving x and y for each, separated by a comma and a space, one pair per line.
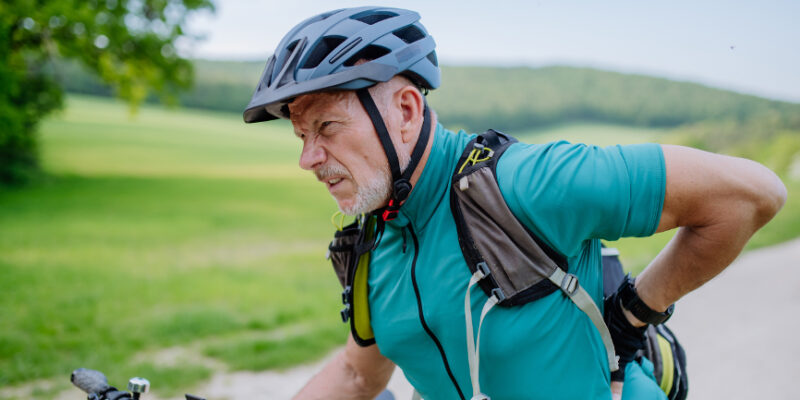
342, 149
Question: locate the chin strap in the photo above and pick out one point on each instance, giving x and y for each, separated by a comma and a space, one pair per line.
401, 182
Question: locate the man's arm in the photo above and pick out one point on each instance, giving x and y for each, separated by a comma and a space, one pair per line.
718, 202
355, 373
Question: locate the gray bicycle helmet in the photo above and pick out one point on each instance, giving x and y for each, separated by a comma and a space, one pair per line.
320, 54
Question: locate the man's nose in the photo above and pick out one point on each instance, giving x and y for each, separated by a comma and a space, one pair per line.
311, 156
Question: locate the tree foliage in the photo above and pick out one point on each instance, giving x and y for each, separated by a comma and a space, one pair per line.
129, 44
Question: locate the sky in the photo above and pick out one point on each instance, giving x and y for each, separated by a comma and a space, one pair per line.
747, 46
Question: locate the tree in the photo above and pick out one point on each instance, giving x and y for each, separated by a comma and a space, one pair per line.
129, 44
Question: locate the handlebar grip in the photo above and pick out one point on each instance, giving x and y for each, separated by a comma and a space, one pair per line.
89, 380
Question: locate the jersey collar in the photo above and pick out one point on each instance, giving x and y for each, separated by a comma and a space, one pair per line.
434, 182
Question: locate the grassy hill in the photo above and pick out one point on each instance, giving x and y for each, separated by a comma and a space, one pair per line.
506, 98
523, 99
519, 98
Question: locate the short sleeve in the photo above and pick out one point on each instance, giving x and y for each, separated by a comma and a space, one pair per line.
568, 193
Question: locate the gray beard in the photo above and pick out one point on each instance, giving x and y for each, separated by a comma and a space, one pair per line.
375, 193
371, 196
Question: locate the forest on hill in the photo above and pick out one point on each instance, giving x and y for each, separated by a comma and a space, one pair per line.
523, 99
505, 98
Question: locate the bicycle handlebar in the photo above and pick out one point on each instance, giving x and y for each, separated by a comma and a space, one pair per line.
89, 380
95, 384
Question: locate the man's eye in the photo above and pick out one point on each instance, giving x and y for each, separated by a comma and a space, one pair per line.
325, 124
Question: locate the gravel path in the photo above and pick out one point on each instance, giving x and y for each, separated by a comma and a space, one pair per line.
275, 385
740, 330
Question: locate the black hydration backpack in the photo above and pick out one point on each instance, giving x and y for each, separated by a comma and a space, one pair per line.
509, 262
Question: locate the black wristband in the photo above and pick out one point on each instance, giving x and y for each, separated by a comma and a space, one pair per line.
630, 301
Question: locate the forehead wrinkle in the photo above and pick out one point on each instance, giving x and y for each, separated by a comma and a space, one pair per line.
316, 103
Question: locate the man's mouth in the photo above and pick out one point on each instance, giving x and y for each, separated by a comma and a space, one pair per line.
332, 176
332, 182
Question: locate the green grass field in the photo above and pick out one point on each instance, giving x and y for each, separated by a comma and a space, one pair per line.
187, 230
169, 229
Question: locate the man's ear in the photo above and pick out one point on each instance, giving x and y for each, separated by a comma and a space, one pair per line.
412, 106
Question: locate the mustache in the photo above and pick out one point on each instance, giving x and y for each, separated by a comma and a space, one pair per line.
326, 171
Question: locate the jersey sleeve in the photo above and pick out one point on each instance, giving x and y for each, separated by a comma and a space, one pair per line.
568, 193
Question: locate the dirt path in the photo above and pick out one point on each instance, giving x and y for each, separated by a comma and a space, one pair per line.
739, 331
274, 385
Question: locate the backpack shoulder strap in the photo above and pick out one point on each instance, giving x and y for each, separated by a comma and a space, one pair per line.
490, 235
510, 263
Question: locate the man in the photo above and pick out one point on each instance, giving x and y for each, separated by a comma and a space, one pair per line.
352, 83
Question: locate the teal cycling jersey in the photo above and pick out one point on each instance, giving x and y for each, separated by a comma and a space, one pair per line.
570, 196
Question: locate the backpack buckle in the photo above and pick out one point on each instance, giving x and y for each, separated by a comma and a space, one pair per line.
484, 268
346, 295
569, 284
498, 293
345, 313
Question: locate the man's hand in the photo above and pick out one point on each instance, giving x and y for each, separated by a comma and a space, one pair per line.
628, 339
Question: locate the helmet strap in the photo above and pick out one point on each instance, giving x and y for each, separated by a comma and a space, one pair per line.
401, 182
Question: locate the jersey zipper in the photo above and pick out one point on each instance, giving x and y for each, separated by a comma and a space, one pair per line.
422, 316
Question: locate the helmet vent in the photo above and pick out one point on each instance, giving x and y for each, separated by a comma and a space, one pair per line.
290, 64
370, 52
409, 34
269, 71
322, 50
291, 46
432, 58
371, 17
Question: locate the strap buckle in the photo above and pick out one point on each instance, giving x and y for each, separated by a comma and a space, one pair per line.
569, 284
346, 295
484, 268
345, 313
498, 293
391, 211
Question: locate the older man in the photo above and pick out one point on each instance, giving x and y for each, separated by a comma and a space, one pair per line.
352, 81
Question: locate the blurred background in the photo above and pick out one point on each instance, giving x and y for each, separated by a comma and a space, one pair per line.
146, 230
